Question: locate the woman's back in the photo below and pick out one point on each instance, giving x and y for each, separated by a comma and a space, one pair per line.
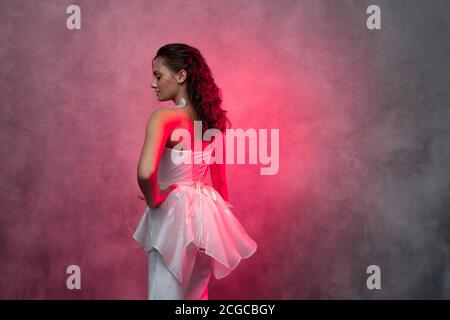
183, 118
186, 166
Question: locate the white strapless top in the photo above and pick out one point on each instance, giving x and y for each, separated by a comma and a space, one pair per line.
183, 167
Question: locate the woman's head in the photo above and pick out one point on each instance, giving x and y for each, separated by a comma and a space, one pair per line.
178, 67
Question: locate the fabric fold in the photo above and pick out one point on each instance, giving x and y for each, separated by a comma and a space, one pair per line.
205, 220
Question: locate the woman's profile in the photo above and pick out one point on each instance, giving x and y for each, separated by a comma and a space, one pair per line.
187, 228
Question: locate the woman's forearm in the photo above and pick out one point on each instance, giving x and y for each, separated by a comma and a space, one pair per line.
149, 188
222, 188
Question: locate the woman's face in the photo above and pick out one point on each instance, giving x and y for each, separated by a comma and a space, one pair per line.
164, 81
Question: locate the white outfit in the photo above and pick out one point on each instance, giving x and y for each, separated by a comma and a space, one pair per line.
192, 234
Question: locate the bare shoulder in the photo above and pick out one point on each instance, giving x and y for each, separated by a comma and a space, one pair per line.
160, 113
172, 116
160, 116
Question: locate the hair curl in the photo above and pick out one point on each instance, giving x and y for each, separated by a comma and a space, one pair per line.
202, 91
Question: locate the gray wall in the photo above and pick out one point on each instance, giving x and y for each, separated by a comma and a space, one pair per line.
364, 143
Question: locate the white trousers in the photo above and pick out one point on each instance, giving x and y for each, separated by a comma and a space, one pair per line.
162, 284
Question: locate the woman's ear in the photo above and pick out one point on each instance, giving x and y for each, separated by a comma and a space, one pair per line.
182, 75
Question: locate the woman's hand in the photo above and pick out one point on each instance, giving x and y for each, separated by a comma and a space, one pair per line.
160, 197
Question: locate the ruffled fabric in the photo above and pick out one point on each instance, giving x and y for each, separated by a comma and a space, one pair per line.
194, 213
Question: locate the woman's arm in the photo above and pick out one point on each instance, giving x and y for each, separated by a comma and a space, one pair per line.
218, 179
156, 135
218, 175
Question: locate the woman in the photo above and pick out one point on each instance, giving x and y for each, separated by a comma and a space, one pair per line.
187, 228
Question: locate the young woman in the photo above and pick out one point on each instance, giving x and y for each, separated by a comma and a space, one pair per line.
187, 227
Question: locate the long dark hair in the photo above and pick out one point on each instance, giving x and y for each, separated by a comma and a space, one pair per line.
202, 91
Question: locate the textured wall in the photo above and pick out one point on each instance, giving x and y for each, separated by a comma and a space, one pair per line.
364, 143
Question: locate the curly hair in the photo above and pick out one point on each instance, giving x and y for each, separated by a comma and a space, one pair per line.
202, 91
